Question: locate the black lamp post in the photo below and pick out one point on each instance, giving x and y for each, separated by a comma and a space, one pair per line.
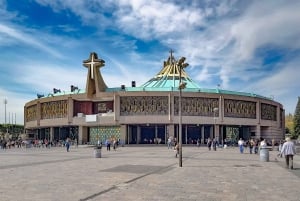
215, 120
181, 86
5, 103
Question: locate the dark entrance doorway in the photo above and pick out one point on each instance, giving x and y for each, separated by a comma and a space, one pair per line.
190, 133
146, 134
193, 133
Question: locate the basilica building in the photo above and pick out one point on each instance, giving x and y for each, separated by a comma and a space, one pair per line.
152, 112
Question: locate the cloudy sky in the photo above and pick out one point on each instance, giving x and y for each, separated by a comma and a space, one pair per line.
249, 45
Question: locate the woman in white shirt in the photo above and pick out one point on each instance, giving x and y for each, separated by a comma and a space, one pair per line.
241, 145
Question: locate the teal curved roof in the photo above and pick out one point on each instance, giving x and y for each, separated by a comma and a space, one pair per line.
165, 89
169, 82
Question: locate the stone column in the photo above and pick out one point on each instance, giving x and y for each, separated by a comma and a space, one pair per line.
211, 132
221, 109
138, 134
123, 134
202, 135
38, 113
171, 131
258, 131
258, 112
116, 107
217, 133
221, 134
82, 134
70, 110
51, 134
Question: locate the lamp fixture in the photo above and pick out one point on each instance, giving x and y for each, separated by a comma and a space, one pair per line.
56, 90
40, 95
73, 88
182, 85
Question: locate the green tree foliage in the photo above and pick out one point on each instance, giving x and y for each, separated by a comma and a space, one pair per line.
297, 120
287, 130
13, 129
289, 123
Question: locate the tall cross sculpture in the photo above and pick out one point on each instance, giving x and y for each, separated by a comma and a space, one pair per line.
95, 82
92, 63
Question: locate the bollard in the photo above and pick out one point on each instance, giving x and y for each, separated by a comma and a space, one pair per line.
97, 152
264, 154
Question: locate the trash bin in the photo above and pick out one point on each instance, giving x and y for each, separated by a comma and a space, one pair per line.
264, 154
97, 152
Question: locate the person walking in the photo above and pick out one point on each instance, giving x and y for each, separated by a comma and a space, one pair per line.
288, 150
279, 149
198, 142
209, 142
255, 146
241, 145
214, 144
107, 143
68, 144
273, 144
170, 143
115, 144
176, 149
251, 145
263, 143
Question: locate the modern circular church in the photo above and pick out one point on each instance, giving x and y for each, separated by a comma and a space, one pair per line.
170, 104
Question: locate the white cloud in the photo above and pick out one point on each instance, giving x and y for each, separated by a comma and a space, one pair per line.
282, 82
267, 23
229, 44
44, 79
26, 38
5, 15
90, 12
156, 19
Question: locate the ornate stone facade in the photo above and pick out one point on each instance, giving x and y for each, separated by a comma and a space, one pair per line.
196, 106
268, 112
141, 105
31, 113
54, 109
239, 109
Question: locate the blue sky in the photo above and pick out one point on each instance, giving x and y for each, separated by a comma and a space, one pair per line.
248, 46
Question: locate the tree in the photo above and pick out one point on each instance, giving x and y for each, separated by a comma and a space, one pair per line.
289, 124
287, 130
297, 120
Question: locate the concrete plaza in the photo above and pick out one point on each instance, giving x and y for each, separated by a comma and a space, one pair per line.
144, 173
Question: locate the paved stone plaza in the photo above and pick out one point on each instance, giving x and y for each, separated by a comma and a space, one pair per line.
145, 173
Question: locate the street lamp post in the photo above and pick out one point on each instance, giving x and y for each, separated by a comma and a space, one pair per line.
5, 103
182, 85
215, 120
180, 122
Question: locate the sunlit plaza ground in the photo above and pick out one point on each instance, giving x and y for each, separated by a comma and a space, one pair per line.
145, 173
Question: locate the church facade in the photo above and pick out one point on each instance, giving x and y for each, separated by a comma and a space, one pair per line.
151, 112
